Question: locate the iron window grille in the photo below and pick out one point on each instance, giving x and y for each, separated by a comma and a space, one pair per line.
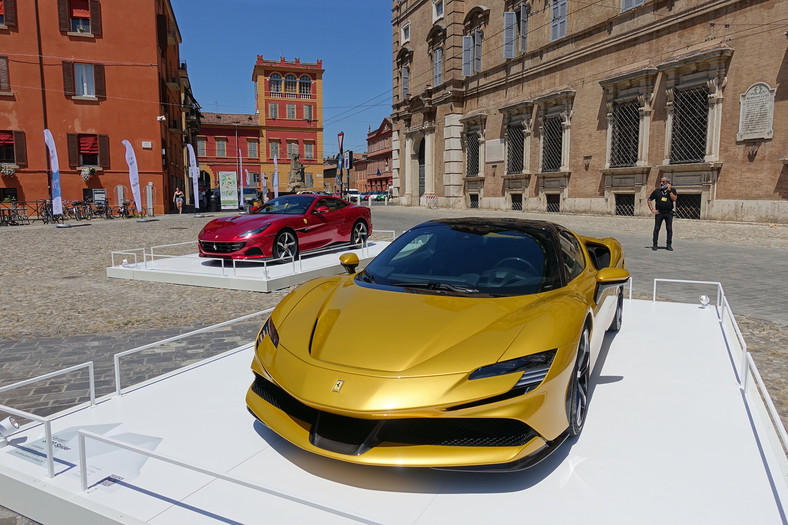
553, 203
472, 155
625, 204
517, 201
625, 134
515, 143
690, 121
552, 143
688, 206
474, 200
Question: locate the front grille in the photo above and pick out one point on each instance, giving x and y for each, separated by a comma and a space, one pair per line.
449, 432
221, 247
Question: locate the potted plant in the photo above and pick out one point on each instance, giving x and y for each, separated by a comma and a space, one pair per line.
7, 170
87, 172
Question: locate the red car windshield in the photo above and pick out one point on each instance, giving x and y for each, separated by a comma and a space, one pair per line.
288, 205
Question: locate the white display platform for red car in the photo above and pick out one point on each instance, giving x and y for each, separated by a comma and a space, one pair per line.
670, 438
253, 275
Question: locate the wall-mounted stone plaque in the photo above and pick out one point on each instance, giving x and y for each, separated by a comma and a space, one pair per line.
756, 112
494, 151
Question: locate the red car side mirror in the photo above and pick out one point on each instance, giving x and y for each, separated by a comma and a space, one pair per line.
321, 209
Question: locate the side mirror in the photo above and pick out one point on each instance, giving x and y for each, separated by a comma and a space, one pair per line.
608, 278
349, 261
321, 209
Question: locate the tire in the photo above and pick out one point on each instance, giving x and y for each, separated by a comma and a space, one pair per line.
577, 396
618, 318
285, 245
360, 232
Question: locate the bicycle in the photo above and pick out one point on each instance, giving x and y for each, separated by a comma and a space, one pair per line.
44, 212
103, 209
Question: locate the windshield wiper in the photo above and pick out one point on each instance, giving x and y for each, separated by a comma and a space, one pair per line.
367, 277
436, 285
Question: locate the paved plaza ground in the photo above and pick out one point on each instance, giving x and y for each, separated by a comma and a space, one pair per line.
59, 309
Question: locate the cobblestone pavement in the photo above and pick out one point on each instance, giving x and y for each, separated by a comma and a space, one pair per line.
59, 309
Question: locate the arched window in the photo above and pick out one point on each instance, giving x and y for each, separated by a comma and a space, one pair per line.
305, 87
290, 86
276, 85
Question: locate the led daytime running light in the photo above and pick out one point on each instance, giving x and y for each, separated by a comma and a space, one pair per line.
532, 366
268, 330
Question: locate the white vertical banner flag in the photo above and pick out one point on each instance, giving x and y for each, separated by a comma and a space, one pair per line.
134, 175
265, 186
275, 181
194, 173
241, 177
57, 199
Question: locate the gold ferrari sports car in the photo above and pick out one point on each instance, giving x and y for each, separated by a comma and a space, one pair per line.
490, 328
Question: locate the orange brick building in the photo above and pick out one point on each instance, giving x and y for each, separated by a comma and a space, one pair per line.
67, 66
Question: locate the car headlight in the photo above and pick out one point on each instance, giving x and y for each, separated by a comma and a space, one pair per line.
533, 369
246, 235
268, 330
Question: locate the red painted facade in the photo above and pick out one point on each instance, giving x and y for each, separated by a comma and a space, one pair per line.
378, 169
228, 142
136, 95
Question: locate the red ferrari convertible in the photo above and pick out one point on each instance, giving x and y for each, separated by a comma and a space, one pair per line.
285, 226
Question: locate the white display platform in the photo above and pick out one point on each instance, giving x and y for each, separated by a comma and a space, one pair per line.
670, 438
256, 276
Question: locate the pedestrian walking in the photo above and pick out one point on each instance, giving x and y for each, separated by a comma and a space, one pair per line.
661, 202
178, 199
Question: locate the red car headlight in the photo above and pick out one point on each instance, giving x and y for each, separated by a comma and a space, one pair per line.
246, 235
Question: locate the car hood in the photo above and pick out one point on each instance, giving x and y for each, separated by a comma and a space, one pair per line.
341, 325
230, 227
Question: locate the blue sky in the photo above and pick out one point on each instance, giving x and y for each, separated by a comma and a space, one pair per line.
221, 41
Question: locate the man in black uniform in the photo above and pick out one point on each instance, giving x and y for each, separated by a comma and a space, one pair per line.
664, 197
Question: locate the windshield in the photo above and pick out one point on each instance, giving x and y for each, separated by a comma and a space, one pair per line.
289, 205
468, 260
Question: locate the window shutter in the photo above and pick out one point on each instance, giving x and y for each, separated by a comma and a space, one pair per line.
62, 15
10, 12
20, 149
523, 27
68, 79
405, 81
509, 24
103, 156
99, 80
477, 51
438, 66
95, 17
73, 151
5, 84
467, 47
562, 14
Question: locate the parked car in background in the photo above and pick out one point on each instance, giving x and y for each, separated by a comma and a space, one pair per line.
497, 324
353, 195
285, 226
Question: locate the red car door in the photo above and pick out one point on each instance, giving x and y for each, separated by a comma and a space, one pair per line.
319, 226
